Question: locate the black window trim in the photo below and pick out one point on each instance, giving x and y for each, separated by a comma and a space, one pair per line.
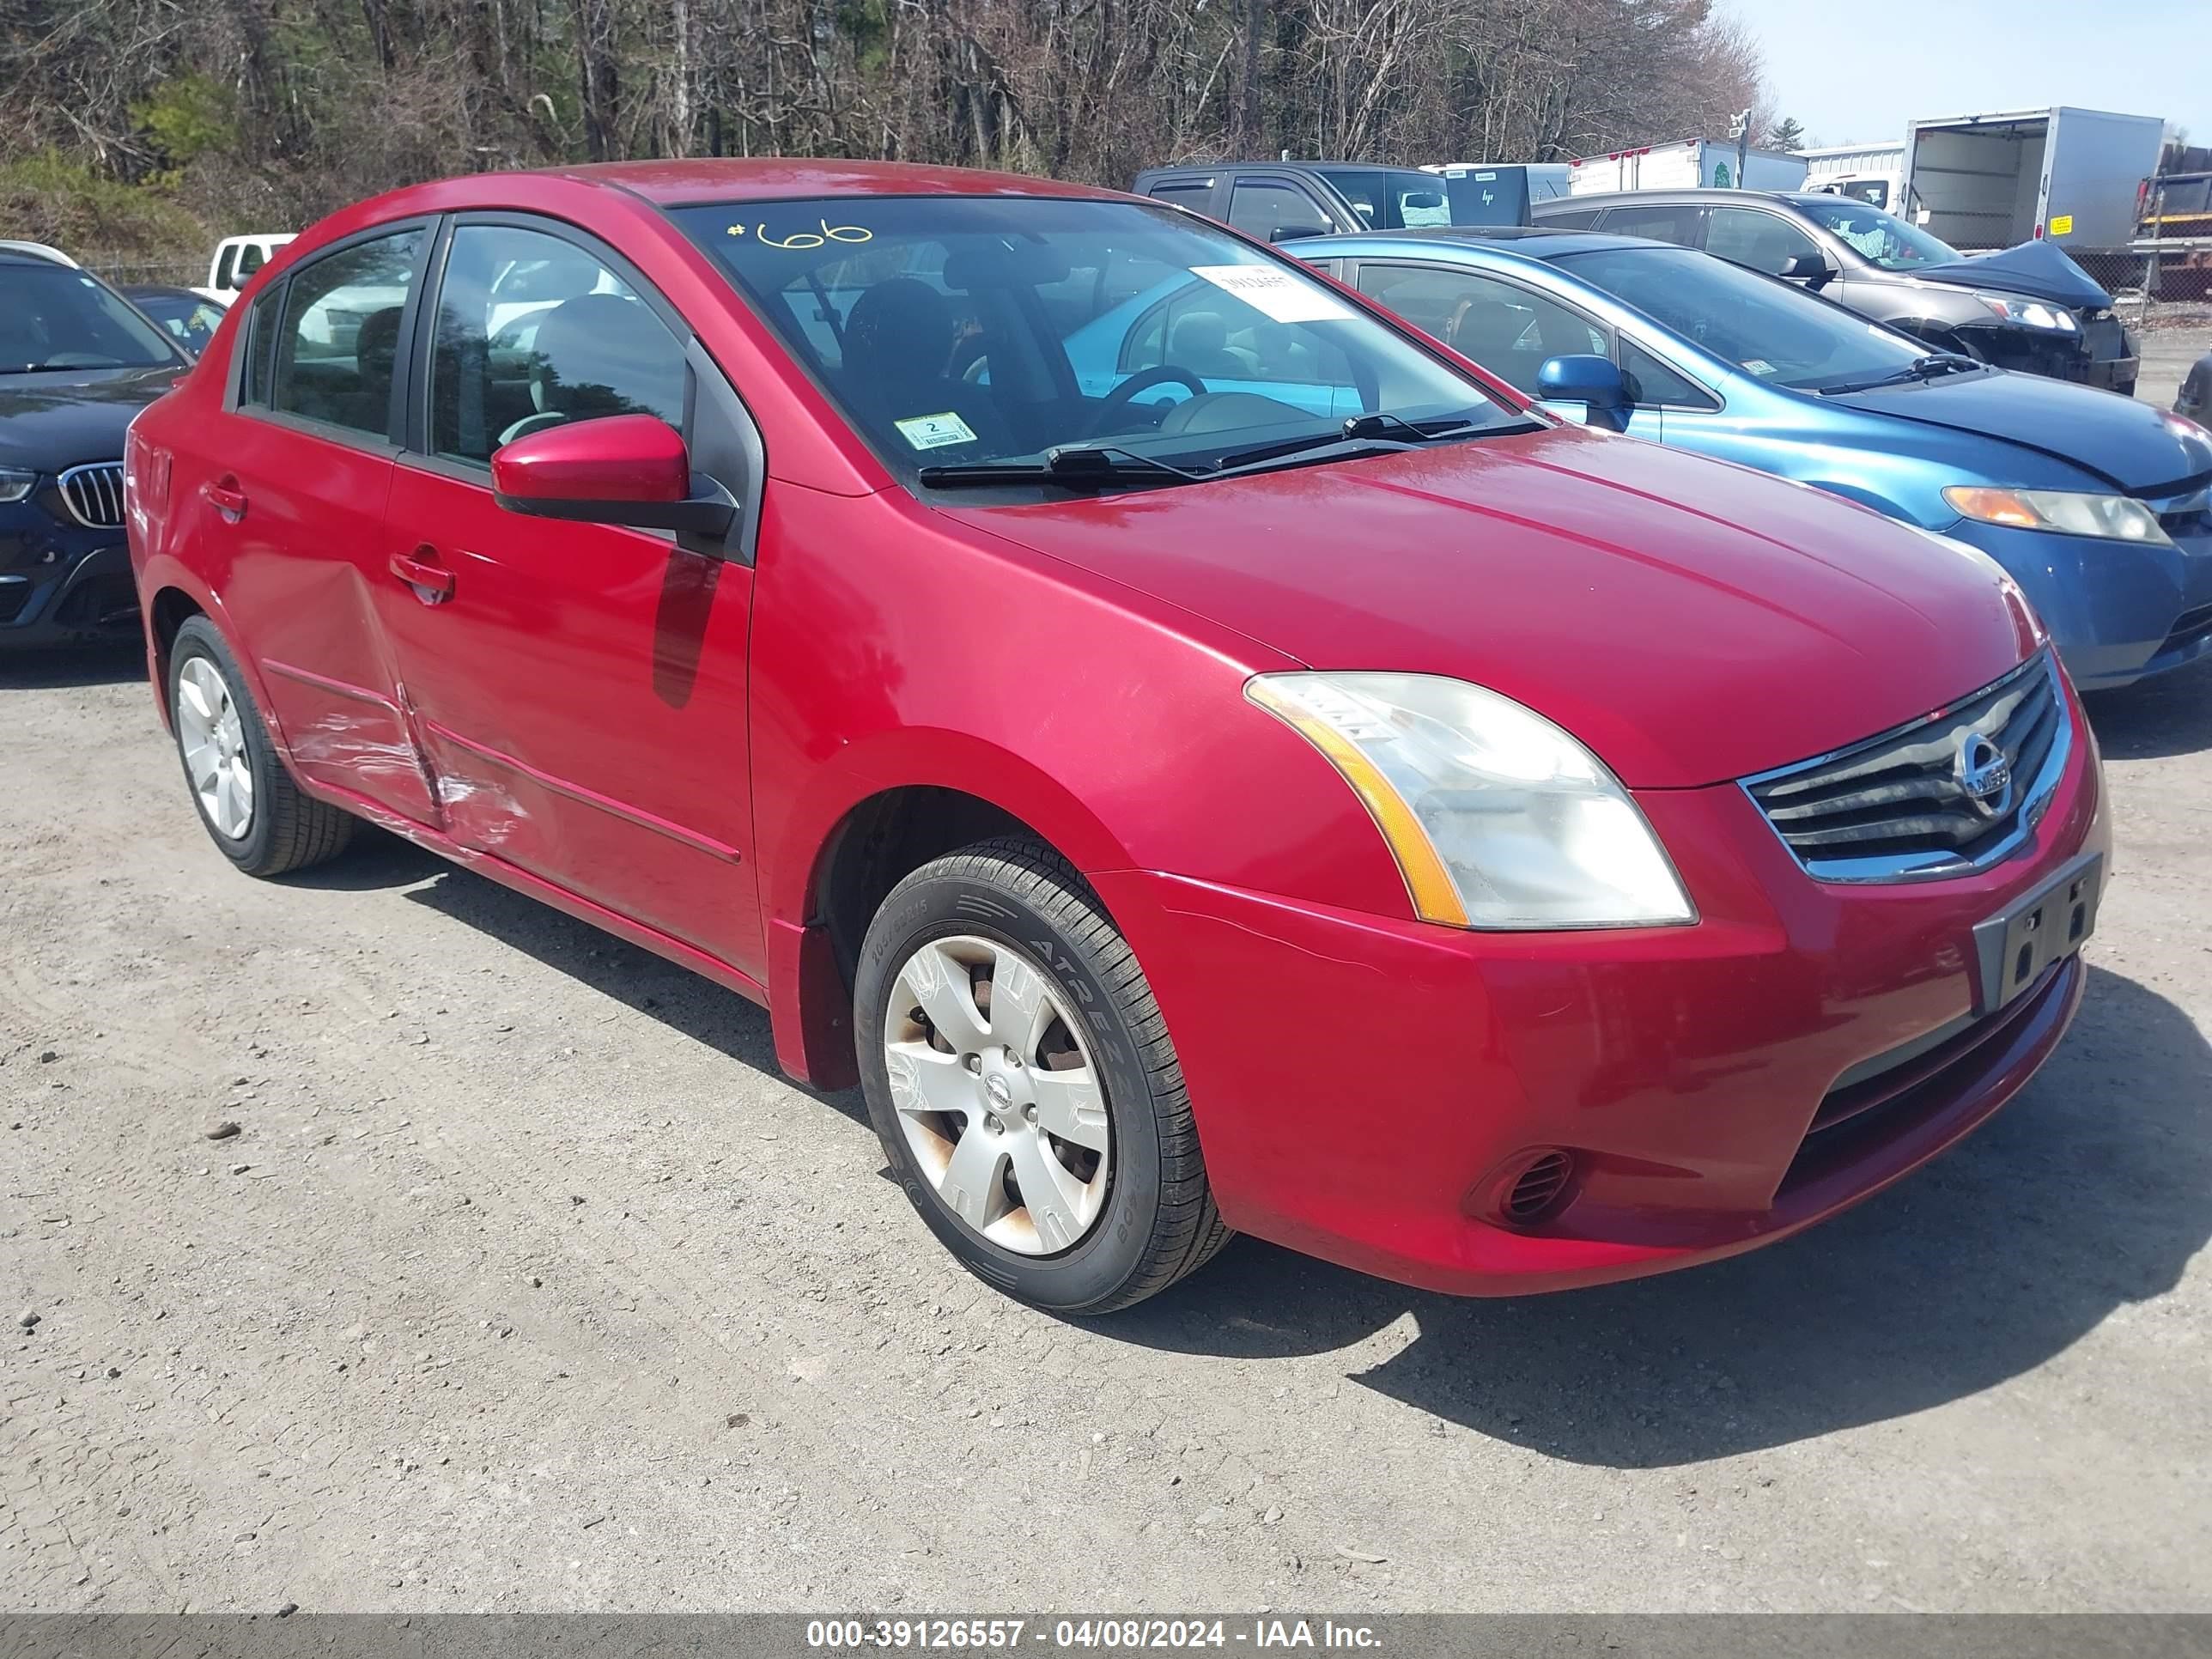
704, 378
278, 298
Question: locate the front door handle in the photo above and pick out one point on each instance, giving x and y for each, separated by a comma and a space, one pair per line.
226, 497
432, 582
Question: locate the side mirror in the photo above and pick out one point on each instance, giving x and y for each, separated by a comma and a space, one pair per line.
1590, 380
623, 470
1809, 268
1292, 232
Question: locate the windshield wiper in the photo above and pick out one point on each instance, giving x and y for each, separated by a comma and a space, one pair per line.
1929, 367
1075, 466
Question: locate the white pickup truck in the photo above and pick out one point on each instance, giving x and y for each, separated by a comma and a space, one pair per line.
236, 258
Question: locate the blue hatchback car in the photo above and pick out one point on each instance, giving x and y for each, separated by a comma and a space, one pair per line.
2098, 506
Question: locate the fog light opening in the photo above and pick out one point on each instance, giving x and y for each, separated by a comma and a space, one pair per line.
1540, 1190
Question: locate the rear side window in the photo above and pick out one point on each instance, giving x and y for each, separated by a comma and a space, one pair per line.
1679, 223
1196, 196
1572, 218
334, 353
533, 332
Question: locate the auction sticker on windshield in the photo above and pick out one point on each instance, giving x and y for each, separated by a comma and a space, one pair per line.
935, 431
1277, 294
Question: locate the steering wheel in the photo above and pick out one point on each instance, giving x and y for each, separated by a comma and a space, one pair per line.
1119, 399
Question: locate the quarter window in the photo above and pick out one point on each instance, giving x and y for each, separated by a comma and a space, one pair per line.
534, 332
340, 338
1650, 382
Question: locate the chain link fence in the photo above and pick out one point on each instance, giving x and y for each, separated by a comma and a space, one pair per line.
128, 270
2163, 279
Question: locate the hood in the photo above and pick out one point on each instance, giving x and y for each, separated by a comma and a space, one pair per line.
2130, 445
2041, 270
63, 417
1689, 620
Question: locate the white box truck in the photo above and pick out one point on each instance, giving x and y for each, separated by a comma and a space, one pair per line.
2064, 175
1693, 164
1873, 173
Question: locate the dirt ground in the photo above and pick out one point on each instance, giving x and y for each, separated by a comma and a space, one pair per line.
529, 1283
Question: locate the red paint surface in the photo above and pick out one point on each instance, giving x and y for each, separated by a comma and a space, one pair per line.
625, 457
667, 744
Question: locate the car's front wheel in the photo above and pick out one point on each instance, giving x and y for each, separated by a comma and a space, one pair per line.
1020, 1076
261, 820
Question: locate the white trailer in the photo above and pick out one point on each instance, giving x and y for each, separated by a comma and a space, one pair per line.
1873, 173
2065, 175
1692, 164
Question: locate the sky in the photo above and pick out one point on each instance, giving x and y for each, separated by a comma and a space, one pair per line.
1854, 71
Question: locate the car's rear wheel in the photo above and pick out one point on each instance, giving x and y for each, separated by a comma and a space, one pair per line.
260, 819
1020, 1076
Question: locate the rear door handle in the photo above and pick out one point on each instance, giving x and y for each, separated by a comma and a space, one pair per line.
432, 582
227, 498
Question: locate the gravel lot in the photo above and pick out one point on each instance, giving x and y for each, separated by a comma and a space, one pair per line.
528, 1284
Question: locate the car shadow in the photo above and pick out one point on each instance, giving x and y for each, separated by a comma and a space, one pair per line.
2089, 1193
2167, 716
682, 1000
58, 668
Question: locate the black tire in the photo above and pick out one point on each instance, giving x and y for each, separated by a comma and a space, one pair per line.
1158, 1221
290, 830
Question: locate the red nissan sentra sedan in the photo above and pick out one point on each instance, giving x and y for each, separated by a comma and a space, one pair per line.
1200, 756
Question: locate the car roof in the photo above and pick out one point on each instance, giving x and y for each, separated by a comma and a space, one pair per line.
1535, 242
33, 253
1694, 193
683, 183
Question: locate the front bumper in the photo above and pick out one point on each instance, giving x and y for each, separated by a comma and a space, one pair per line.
1365, 1085
62, 583
2119, 611
2101, 354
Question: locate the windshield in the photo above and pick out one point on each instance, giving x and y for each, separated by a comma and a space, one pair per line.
54, 317
1886, 240
1763, 326
959, 330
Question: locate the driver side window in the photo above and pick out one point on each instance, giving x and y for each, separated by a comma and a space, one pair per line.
534, 332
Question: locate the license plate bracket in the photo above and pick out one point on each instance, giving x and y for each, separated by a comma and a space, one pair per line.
2014, 947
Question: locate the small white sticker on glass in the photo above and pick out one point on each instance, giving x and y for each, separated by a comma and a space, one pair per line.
935, 431
1276, 294
1759, 365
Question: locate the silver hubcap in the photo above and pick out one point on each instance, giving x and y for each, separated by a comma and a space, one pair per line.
213, 739
996, 1093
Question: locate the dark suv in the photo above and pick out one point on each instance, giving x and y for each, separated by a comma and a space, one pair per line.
2030, 308
1281, 201
76, 363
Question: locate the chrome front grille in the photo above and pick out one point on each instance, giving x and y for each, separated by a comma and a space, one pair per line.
94, 494
1954, 791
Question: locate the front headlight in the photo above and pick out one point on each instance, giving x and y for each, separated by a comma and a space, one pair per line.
2030, 313
2113, 518
15, 483
1498, 818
